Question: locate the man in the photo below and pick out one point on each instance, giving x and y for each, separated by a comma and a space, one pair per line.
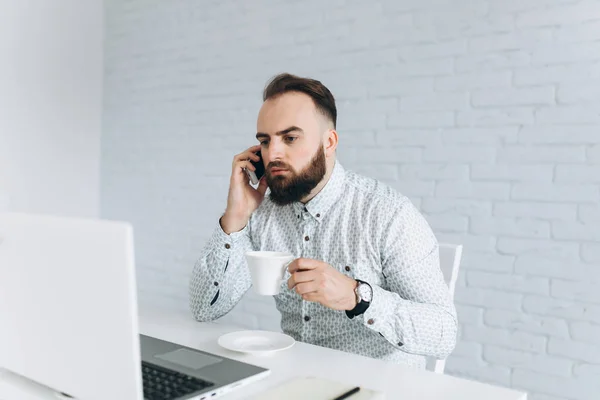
366, 278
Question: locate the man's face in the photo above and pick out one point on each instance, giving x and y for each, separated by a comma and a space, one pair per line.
290, 131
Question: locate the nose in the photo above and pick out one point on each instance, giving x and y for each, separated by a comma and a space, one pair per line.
275, 151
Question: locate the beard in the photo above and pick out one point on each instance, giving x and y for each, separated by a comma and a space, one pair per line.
292, 187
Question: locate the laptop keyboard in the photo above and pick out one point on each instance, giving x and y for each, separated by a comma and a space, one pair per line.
165, 384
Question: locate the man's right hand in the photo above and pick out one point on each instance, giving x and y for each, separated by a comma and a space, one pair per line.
242, 199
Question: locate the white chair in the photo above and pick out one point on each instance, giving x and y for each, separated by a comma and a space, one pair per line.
450, 256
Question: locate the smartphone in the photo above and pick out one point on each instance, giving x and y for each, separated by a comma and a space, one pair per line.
260, 169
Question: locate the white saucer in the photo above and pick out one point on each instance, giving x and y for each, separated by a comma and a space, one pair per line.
256, 342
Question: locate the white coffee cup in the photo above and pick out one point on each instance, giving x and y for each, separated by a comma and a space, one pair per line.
267, 269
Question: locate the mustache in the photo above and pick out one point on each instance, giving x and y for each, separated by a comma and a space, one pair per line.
277, 164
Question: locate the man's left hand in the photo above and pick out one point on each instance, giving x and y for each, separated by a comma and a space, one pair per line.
319, 282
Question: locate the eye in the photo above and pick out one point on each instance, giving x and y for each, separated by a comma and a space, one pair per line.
290, 139
264, 142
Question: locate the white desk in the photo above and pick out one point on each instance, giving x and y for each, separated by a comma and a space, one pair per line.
303, 359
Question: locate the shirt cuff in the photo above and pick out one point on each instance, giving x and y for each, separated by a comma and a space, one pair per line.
381, 316
223, 245
221, 240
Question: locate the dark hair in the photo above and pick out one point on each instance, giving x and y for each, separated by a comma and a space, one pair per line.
322, 97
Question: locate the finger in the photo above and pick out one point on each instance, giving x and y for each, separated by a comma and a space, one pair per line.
304, 276
291, 282
262, 185
246, 157
239, 174
302, 264
249, 153
245, 164
299, 277
312, 296
305, 287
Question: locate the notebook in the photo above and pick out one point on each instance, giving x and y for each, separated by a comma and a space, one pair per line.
304, 388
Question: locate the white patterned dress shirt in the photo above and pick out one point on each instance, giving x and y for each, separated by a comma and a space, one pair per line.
365, 230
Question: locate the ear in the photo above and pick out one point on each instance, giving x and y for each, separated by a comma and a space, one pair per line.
330, 142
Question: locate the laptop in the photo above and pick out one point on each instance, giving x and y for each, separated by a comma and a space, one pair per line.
69, 321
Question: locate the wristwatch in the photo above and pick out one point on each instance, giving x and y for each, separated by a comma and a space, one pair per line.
363, 291
364, 295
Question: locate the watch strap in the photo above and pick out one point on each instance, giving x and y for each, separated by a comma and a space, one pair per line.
360, 308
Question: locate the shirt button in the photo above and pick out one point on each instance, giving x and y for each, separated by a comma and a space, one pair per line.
306, 238
216, 283
306, 318
371, 321
318, 215
227, 246
347, 268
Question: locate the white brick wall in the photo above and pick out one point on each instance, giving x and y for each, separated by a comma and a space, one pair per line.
51, 106
485, 113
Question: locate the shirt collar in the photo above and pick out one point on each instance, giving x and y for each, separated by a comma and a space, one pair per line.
319, 205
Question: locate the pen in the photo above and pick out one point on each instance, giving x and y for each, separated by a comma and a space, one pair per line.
348, 393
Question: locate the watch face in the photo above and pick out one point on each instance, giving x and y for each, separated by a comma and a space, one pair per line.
365, 292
